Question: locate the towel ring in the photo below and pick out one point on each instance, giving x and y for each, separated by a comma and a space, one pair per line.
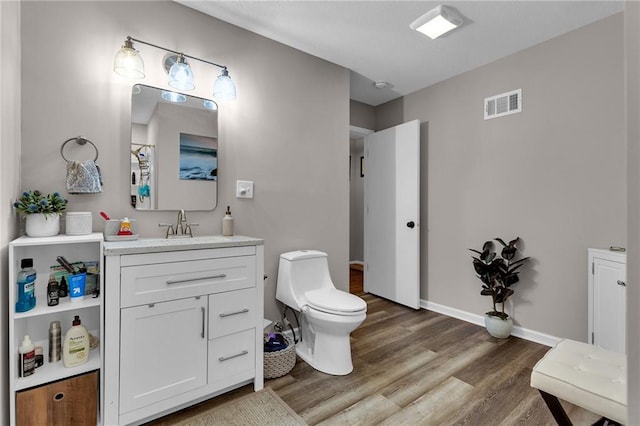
80, 141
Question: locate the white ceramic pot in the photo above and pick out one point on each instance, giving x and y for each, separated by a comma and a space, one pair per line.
42, 224
498, 327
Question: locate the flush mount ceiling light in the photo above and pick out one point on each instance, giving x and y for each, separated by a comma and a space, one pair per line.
128, 63
437, 22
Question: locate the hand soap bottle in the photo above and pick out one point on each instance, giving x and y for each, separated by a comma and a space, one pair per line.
75, 348
227, 223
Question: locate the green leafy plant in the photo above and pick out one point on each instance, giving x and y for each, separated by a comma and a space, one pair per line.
31, 202
498, 272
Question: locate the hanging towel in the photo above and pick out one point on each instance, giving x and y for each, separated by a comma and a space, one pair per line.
83, 177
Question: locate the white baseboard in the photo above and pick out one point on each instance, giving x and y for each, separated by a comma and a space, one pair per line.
523, 333
356, 262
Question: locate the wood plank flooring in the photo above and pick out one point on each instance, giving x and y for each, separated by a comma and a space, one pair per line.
416, 368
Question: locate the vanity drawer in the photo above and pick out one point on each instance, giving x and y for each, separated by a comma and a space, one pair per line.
232, 357
231, 312
177, 280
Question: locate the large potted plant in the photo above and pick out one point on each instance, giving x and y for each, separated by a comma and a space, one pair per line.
42, 212
498, 272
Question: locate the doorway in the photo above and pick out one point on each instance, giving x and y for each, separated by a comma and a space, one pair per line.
356, 208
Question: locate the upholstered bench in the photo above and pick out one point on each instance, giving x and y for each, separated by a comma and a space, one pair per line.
584, 375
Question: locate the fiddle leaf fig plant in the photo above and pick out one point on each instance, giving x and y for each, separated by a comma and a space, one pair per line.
498, 272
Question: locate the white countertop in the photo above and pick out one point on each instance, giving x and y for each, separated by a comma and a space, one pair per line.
156, 245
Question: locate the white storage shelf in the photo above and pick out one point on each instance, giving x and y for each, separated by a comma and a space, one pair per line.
35, 322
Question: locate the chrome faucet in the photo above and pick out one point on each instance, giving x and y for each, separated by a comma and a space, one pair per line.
182, 230
182, 220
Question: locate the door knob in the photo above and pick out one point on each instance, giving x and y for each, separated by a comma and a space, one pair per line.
411, 224
622, 283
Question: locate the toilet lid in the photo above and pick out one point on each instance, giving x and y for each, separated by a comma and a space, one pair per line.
332, 300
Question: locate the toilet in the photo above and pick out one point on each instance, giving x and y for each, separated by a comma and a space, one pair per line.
328, 315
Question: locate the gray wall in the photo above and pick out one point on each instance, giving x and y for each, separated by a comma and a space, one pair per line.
9, 170
361, 115
287, 132
632, 89
555, 174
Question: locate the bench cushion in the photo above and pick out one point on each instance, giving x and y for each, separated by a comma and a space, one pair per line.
587, 376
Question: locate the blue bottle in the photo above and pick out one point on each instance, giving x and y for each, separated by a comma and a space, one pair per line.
26, 286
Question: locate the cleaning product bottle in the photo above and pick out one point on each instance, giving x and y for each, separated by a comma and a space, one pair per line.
75, 348
26, 286
52, 291
125, 227
27, 357
227, 223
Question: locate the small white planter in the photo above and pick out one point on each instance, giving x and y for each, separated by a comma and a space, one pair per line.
498, 327
42, 224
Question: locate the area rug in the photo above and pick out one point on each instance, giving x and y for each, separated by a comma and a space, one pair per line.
262, 408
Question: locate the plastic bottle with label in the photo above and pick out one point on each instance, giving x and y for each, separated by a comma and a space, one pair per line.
75, 348
227, 223
27, 357
26, 286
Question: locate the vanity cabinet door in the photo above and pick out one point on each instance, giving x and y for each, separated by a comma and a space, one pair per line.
163, 351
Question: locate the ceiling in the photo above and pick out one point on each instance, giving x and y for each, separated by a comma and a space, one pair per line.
374, 41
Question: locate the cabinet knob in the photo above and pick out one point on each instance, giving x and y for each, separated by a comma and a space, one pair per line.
622, 283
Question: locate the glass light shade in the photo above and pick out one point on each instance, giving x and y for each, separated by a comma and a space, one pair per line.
224, 88
181, 75
128, 62
173, 96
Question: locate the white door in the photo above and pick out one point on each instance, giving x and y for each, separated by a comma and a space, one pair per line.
392, 212
163, 351
609, 305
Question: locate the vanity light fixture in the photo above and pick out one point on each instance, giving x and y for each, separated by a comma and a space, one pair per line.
181, 75
128, 63
437, 21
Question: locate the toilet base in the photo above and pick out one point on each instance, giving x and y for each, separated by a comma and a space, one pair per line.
331, 354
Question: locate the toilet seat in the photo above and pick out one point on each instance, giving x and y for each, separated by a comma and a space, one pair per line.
334, 301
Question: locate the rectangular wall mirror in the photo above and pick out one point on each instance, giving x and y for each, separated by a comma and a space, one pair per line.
174, 151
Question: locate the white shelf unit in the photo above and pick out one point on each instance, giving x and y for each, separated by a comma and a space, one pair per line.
35, 322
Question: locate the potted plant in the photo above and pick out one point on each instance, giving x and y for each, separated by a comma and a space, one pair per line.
497, 274
42, 212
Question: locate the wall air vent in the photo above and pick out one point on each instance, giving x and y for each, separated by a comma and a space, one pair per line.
503, 104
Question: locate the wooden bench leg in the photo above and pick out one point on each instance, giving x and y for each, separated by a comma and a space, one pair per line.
557, 411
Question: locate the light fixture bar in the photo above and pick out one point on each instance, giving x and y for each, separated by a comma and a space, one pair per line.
176, 52
128, 63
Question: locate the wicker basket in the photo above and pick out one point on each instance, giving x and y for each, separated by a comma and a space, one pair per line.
279, 363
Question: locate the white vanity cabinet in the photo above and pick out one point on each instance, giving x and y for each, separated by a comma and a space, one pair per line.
607, 299
183, 323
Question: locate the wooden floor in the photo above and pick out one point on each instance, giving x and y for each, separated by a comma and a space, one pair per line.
417, 368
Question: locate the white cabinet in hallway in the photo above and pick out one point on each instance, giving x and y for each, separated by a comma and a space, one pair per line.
607, 299
183, 323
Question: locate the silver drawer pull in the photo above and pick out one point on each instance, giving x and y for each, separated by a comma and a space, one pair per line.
622, 283
227, 358
196, 279
244, 311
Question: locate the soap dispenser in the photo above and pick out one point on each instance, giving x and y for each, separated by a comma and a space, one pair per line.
227, 223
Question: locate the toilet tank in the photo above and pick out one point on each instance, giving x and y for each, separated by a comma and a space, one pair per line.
298, 272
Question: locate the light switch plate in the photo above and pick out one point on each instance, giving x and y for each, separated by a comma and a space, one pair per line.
244, 189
